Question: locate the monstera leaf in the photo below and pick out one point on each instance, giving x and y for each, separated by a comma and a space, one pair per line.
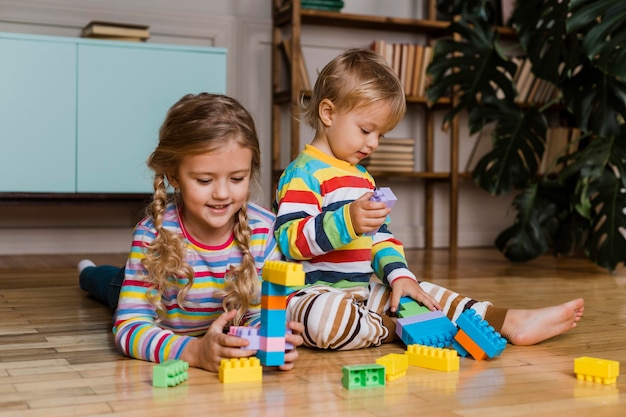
535, 225
541, 27
604, 40
518, 146
475, 67
606, 245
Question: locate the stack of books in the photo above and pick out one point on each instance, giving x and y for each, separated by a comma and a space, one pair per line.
327, 5
392, 155
409, 61
116, 31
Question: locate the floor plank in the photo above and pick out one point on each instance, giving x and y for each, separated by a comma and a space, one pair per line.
57, 356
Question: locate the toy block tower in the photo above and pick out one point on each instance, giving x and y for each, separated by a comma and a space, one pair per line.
278, 276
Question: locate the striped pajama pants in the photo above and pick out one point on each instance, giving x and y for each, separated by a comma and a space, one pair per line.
354, 318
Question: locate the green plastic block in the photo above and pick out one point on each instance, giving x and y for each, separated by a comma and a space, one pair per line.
169, 373
363, 376
411, 308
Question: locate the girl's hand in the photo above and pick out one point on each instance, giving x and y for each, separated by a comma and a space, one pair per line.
207, 351
367, 216
402, 287
296, 340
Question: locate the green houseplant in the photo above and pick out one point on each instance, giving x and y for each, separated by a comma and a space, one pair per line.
580, 47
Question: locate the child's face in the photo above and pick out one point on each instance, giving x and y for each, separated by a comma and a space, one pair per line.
214, 186
352, 136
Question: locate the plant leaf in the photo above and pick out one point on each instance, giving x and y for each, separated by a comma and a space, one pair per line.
597, 101
475, 67
529, 236
518, 146
606, 245
541, 30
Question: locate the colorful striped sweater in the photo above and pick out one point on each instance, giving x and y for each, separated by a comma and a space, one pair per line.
138, 335
313, 224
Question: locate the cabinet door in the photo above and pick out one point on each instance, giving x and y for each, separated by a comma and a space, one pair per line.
124, 92
37, 115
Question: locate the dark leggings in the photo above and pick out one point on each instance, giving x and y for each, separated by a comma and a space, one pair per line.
103, 283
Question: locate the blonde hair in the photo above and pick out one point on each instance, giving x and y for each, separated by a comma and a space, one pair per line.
193, 125
358, 77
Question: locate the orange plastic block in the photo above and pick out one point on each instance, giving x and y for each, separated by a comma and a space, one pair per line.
240, 370
289, 274
439, 359
469, 345
273, 302
395, 365
596, 370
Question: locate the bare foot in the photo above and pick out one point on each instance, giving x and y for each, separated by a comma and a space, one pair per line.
531, 326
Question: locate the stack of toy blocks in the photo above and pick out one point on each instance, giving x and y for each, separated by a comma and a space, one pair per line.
278, 276
396, 365
430, 328
476, 337
596, 370
363, 376
240, 370
169, 373
439, 359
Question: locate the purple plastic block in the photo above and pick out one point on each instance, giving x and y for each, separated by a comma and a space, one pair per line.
251, 334
384, 195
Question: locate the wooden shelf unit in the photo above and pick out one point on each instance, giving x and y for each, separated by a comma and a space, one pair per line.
287, 20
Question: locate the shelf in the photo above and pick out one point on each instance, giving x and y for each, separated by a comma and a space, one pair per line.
288, 20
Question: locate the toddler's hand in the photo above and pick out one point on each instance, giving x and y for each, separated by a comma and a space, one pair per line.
402, 287
367, 216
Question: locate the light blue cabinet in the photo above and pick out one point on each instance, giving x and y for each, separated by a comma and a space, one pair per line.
81, 115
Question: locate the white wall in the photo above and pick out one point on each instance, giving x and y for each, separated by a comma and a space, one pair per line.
244, 28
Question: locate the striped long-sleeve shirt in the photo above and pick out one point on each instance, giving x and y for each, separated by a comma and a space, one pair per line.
137, 334
313, 224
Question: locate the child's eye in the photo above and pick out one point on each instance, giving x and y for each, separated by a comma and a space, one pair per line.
203, 181
365, 131
237, 179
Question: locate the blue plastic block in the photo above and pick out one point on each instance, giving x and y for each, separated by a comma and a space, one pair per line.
269, 288
479, 330
460, 349
273, 323
271, 358
438, 332
363, 376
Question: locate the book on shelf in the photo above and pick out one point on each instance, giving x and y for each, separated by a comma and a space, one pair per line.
424, 79
559, 142
409, 62
117, 31
300, 65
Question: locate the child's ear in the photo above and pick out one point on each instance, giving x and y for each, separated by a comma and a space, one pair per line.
326, 112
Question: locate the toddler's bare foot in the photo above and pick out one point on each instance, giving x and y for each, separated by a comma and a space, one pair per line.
530, 326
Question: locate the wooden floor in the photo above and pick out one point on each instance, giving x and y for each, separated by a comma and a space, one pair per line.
57, 356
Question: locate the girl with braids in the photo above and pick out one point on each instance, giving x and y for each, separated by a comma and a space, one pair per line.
196, 258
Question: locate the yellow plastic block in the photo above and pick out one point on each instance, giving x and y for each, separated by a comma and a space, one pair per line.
289, 274
395, 365
439, 359
240, 370
596, 370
